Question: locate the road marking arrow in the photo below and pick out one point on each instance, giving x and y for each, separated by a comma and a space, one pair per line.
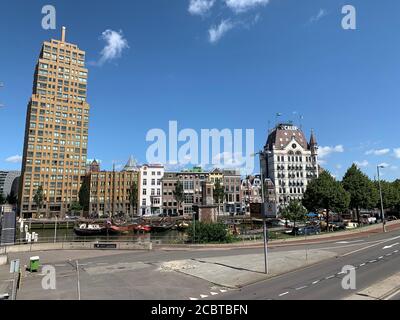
392, 245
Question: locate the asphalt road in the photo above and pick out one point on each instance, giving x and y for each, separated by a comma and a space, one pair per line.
136, 274
373, 261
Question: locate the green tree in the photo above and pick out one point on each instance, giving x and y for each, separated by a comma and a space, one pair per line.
297, 212
38, 198
326, 193
209, 232
219, 193
363, 193
84, 196
179, 194
390, 195
285, 214
396, 185
12, 198
2, 200
75, 207
133, 196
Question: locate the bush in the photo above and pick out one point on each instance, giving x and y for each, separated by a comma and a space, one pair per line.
209, 232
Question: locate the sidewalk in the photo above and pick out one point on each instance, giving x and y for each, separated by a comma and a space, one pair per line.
321, 238
382, 290
239, 270
6, 279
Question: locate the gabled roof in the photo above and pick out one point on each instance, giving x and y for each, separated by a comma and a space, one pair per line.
131, 165
284, 134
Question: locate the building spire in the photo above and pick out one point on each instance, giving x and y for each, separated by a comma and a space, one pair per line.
313, 140
63, 32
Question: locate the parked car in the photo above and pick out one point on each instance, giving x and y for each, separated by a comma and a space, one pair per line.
307, 230
351, 225
72, 217
367, 219
283, 223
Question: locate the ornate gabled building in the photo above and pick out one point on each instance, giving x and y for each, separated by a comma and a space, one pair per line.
290, 161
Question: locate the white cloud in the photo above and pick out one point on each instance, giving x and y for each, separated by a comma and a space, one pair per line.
338, 166
361, 164
217, 32
200, 7
384, 164
379, 152
321, 13
397, 153
14, 159
323, 152
240, 6
115, 44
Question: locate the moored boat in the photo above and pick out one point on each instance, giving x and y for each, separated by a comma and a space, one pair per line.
88, 229
182, 226
143, 228
161, 227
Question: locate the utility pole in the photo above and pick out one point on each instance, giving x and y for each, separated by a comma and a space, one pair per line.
380, 194
265, 231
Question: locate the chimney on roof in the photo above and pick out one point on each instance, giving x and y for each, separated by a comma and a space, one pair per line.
63, 31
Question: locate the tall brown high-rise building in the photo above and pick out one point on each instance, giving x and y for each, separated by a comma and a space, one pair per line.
56, 133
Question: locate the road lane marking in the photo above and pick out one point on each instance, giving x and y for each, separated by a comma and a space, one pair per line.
193, 298
283, 294
316, 281
395, 251
213, 293
392, 245
345, 242
362, 264
330, 277
381, 257
301, 288
372, 261
223, 291
60, 265
367, 247
203, 296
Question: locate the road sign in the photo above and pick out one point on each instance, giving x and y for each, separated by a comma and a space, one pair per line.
14, 266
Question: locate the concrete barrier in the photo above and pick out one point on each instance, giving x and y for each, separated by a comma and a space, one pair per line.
74, 246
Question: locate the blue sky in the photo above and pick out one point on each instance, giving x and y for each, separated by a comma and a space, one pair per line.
230, 66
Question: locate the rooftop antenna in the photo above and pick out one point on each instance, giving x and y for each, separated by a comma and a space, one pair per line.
1, 86
300, 121
278, 114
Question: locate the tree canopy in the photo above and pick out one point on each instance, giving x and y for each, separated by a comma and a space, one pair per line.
326, 193
362, 191
84, 196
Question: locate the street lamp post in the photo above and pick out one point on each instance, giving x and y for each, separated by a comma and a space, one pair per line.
265, 230
380, 194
